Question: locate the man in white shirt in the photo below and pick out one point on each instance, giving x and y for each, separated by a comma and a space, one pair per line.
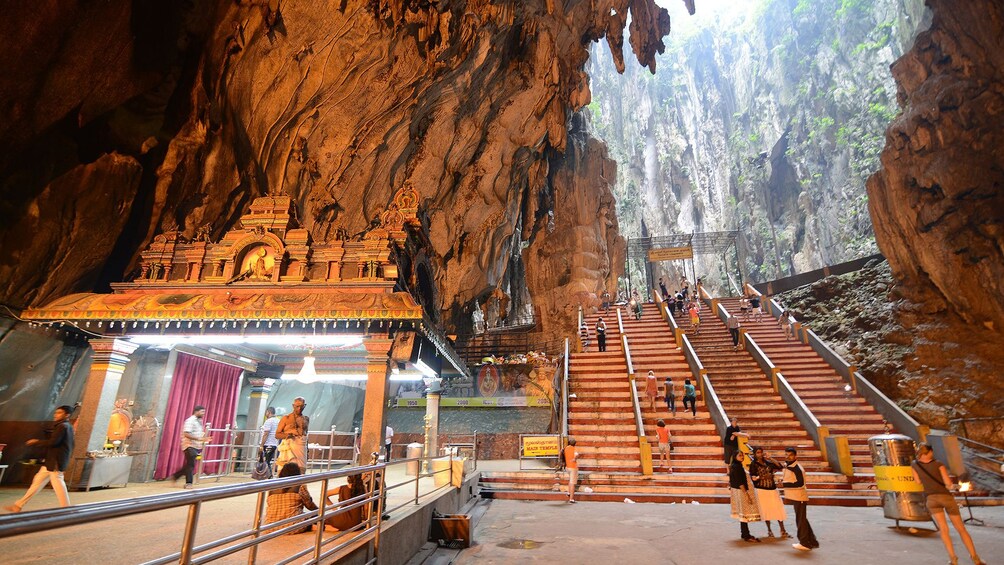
192, 439
269, 442
388, 438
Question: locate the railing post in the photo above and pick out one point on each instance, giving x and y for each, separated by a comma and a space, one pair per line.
189, 540
331, 446
229, 446
418, 475
320, 522
256, 525
376, 537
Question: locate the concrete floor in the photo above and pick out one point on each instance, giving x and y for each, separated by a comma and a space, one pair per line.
630, 534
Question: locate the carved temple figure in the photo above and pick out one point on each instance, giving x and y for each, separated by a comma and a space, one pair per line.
202, 234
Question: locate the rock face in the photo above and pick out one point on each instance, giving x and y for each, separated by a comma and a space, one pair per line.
937, 201
335, 105
769, 126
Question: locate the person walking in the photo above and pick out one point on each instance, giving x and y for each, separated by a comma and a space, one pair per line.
58, 444
679, 302
665, 445
744, 503
663, 290
572, 466
601, 334
690, 395
933, 476
193, 437
755, 308
605, 301
684, 287
732, 322
785, 321
762, 469
388, 442
695, 318
730, 441
292, 433
793, 481
670, 395
269, 442
651, 389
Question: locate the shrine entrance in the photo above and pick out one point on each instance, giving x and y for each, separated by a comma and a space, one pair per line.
255, 319
643, 252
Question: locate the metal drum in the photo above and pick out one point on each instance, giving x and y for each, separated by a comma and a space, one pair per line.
902, 496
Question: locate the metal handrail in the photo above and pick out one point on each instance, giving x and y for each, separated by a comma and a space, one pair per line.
39, 520
564, 393
631, 376
443, 345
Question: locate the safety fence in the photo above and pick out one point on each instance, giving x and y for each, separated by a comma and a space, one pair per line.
235, 451
325, 546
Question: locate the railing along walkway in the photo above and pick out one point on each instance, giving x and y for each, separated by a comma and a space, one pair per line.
228, 521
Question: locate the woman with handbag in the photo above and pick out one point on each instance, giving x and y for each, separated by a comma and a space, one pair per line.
938, 487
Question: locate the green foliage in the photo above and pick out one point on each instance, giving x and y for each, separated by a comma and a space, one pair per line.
850, 8
803, 7
594, 109
881, 111
754, 138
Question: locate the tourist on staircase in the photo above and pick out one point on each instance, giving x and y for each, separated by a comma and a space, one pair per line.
762, 469
663, 289
744, 308
651, 389
684, 287
665, 445
670, 396
601, 334
731, 439
785, 322
695, 317
755, 308
744, 502
572, 466
680, 302
671, 303
690, 395
635, 305
733, 324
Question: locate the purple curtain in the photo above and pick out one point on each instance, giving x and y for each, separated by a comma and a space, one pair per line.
197, 381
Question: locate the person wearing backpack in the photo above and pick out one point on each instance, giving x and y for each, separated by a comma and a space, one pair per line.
930, 473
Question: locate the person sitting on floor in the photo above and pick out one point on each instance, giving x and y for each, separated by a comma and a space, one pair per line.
289, 501
347, 519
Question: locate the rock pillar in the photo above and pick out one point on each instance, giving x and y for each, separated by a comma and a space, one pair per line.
377, 389
108, 363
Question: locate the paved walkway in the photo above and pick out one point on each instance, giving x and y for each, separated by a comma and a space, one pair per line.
630, 534
140, 538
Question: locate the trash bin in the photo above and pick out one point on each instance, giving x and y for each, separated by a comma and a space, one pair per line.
902, 496
414, 451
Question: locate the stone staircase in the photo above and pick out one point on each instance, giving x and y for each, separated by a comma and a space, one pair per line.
821, 389
601, 418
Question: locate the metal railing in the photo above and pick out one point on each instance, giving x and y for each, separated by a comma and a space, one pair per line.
366, 533
564, 392
645, 448
239, 448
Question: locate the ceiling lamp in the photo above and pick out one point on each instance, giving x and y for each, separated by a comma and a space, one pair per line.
307, 374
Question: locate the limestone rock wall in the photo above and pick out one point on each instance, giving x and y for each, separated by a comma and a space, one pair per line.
180, 115
768, 124
937, 202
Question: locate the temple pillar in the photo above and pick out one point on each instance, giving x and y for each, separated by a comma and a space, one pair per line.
432, 416
98, 401
377, 389
260, 389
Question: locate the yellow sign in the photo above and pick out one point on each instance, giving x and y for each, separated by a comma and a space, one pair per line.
541, 446
670, 253
896, 478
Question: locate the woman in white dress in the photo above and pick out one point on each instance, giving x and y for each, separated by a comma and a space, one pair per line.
762, 471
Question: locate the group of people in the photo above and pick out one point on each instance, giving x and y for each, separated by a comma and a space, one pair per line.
689, 394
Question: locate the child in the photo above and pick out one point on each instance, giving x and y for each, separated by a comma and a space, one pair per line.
664, 445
